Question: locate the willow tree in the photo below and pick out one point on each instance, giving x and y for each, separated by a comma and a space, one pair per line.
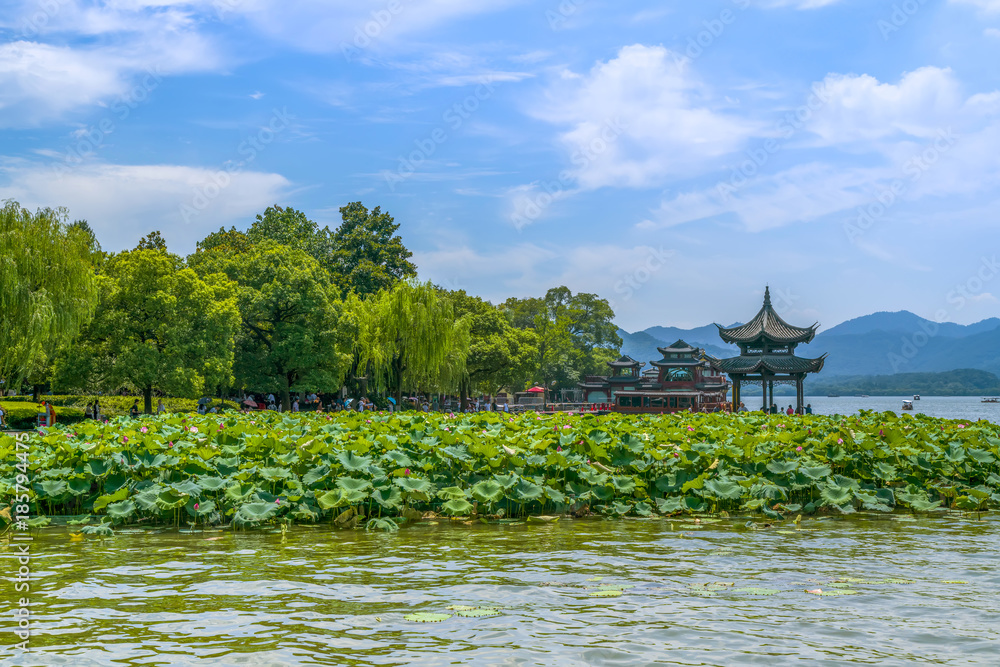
408, 336
47, 286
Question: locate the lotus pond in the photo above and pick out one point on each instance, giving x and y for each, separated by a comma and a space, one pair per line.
908, 591
481, 539
379, 471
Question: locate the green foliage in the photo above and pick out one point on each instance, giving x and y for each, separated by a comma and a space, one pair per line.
157, 326
370, 258
255, 470
575, 334
47, 286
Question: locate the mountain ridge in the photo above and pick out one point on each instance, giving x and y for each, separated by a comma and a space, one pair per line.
882, 343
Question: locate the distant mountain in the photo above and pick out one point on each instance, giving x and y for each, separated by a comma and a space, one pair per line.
904, 321
642, 345
964, 382
878, 344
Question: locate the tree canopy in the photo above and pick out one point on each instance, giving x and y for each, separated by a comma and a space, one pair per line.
370, 256
47, 286
158, 326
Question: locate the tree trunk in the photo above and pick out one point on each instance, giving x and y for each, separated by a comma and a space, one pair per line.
147, 399
464, 393
36, 393
286, 395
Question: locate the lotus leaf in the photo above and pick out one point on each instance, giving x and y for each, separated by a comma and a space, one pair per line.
255, 513
353, 484
106, 500
478, 613
423, 617
121, 510
352, 462
488, 491
452, 493
456, 507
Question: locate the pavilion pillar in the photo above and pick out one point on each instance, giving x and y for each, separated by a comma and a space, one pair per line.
736, 394
799, 394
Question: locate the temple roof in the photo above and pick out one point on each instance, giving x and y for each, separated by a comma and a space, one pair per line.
767, 324
680, 347
625, 362
773, 363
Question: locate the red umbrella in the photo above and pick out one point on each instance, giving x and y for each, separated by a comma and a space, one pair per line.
535, 390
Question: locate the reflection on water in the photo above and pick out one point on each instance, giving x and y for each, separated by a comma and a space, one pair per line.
323, 597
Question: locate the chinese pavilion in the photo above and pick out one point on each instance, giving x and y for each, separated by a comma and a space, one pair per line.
684, 379
767, 354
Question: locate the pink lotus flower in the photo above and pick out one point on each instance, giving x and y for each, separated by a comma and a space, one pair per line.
781, 426
407, 472
798, 449
840, 441
196, 506
124, 439
567, 426
558, 449
961, 425
690, 428
881, 433
170, 444
277, 501
194, 429
143, 430
677, 455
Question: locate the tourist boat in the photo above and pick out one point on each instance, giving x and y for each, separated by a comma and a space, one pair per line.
907, 405
991, 399
833, 395
916, 397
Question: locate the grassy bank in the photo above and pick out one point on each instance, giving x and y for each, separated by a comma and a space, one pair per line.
381, 470
22, 410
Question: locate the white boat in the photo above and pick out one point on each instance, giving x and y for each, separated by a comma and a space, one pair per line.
991, 399
907, 405
916, 397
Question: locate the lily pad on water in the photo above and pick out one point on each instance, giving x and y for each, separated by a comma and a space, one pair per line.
898, 581
954, 581
478, 613
751, 590
833, 593
424, 617
606, 594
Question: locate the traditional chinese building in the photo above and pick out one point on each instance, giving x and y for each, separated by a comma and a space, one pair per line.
767, 354
686, 378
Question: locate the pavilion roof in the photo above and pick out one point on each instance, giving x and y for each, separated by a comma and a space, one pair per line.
767, 324
625, 362
680, 347
773, 363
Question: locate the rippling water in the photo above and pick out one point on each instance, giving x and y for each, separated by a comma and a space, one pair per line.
321, 597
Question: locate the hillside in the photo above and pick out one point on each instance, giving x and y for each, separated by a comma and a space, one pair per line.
879, 344
964, 382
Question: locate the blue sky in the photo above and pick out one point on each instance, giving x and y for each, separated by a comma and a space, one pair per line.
673, 157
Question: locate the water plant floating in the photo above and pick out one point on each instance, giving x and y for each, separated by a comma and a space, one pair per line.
382, 471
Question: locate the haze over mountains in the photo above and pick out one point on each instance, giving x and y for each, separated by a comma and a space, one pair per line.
879, 344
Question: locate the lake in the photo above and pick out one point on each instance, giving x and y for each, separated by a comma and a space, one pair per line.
948, 407
322, 597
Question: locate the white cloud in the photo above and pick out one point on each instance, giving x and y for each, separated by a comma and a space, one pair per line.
342, 25
124, 202
639, 119
990, 6
861, 108
49, 72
